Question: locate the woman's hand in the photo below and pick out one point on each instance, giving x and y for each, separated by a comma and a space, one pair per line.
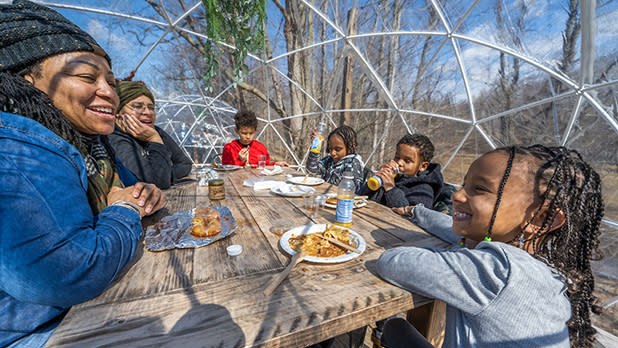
282, 164
138, 130
148, 197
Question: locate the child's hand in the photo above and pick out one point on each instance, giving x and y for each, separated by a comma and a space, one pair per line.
243, 154
386, 174
392, 166
314, 133
403, 211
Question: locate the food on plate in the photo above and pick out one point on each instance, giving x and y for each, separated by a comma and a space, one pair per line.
316, 246
206, 222
333, 201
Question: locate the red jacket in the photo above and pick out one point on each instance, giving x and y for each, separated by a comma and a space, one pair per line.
231, 149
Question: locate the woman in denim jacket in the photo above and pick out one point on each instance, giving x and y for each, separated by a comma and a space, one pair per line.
68, 225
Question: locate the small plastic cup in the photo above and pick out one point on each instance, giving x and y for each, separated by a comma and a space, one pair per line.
262, 161
313, 204
280, 226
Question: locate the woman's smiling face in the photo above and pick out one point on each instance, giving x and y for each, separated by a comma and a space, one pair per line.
81, 85
474, 204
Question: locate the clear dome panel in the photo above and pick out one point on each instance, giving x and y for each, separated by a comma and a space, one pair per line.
376, 150
597, 142
200, 126
523, 27
445, 134
125, 37
522, 126
605, 34
413, 16
499, 82
472, 147
455, 12
412, 72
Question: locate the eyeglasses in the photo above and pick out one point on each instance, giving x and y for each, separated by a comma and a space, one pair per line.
140, 107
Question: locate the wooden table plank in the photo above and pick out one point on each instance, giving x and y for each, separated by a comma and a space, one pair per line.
214, 312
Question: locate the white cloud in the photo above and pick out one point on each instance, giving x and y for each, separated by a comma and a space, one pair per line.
103, 34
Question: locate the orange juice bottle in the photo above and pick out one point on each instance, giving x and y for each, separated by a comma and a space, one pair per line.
316, 143
345, 200
375, 182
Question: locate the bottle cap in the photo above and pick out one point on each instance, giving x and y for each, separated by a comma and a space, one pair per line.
234, 250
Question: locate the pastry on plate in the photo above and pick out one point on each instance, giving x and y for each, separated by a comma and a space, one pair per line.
206, 222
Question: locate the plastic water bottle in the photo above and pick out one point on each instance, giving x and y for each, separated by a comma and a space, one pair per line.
316, 143
375, 182
345, 200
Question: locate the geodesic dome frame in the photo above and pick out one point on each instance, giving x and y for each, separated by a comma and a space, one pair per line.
472, 75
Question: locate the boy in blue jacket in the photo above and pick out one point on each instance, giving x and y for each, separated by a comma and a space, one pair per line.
417, 180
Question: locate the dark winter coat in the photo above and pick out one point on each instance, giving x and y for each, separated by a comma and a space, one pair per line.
409, 190
159, 164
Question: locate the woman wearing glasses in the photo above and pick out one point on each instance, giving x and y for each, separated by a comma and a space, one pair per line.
146, 150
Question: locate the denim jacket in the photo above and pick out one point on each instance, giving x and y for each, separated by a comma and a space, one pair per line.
53, 252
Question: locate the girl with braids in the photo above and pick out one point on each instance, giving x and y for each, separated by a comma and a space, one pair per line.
68, 226
342, 157
525, 227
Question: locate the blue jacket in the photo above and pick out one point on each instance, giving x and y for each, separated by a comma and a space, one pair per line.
53, 252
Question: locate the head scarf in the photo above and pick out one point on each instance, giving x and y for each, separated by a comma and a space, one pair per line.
31, 32
129, 90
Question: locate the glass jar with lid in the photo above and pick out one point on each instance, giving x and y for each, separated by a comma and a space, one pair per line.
216, 189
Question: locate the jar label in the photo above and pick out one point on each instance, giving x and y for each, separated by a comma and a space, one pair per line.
343, 213
216, 192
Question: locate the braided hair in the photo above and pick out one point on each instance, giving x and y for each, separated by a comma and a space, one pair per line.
565, 182
349, 138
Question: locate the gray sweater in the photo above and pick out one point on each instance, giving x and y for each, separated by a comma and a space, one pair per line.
497, 295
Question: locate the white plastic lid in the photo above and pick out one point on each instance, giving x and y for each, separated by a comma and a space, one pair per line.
234, 250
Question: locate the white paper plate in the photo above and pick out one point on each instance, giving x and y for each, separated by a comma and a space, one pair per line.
292, 190
226, 167
309, 180
358, 203
357, 240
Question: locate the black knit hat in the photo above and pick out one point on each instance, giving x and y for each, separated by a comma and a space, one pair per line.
31, 32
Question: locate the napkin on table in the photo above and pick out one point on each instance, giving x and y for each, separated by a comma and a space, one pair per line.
276, 170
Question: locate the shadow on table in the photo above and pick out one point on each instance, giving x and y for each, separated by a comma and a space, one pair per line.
202, 322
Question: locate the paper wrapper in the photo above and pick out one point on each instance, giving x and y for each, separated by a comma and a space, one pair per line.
171, 231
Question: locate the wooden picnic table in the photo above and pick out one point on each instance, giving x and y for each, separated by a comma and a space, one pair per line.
204, 298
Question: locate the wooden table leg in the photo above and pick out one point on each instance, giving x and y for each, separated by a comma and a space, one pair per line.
430, 320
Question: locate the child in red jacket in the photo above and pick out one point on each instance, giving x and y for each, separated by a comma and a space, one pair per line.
245, 150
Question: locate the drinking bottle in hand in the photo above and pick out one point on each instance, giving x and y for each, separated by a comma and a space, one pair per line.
375, 182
